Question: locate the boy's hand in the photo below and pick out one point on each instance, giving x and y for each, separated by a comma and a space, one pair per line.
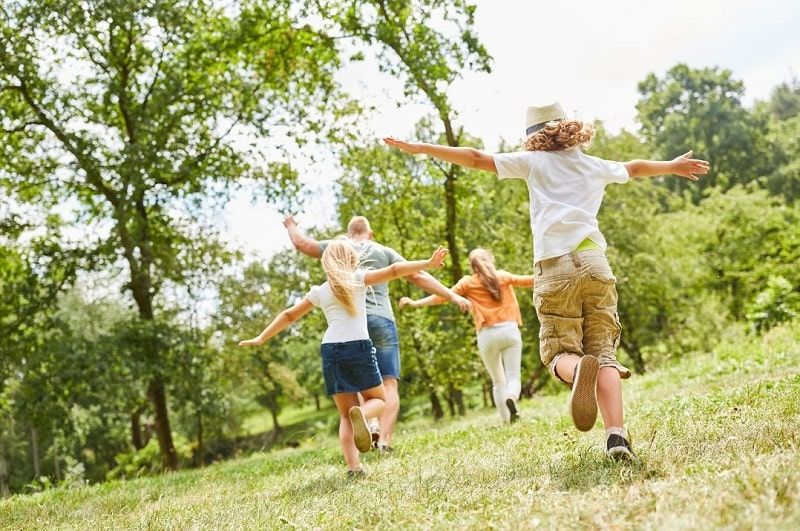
686, 166
405, 301
437, 259
407, 147
256, 341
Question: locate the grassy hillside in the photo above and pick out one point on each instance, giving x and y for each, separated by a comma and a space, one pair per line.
718, 438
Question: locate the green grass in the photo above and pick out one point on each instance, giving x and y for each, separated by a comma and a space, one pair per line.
718, 438
292, 419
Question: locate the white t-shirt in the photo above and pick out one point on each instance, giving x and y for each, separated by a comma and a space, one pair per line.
566, 188
342, 326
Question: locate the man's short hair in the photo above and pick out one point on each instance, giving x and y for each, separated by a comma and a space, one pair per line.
358, 225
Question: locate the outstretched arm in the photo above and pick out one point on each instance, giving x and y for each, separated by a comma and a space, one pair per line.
684, 166
463, 156
280, 323
402, 269
430, 300
429, 283
305, 244
521, 281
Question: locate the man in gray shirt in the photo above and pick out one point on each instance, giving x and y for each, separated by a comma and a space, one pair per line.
380, 318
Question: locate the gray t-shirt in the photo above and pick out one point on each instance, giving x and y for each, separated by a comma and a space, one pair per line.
374, 256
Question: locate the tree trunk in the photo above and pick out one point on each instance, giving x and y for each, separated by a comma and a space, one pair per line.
632, 350
316, 402
457, 396
201, 450
37, 472
451, 213
436, 406
5, 489
158, 396
136, 429
56, 466
451, 405
142, 287
484, 395
276, 428
537, 380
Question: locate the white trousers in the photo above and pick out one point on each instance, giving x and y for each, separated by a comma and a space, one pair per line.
501, 351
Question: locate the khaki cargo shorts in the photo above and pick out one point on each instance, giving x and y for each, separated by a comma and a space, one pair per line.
575, 296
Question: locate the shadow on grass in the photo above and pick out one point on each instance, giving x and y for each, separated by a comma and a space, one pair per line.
587, 468
315, 486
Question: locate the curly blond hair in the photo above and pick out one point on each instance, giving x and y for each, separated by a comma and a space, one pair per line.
559, 135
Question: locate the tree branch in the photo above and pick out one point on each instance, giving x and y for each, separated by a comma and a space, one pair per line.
19, 128
84, 160
186, 167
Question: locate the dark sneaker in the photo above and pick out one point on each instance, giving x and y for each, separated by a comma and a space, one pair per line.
619, 448
361, 435
354, 474
583, 399
512, 408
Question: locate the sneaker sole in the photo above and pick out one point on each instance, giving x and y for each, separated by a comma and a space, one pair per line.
583, 399
620, 453
512, 408
361, 434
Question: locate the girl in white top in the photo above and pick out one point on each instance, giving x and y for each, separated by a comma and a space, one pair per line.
348, 359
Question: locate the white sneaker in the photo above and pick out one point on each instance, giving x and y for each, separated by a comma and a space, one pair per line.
374, 431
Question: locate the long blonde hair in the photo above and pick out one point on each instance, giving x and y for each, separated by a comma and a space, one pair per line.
559, 135
340, 261
482, 263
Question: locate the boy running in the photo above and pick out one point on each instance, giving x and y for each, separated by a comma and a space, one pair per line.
574, 292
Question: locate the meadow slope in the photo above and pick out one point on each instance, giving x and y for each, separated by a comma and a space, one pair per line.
717, 435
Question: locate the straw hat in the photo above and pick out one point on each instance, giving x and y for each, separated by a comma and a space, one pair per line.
537, 117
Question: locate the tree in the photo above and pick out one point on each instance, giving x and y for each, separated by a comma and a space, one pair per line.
784, 102
782, 113
271, 372
412, 47
138, 109
701, 109
428, 60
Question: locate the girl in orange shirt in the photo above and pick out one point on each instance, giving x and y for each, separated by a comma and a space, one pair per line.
495, 311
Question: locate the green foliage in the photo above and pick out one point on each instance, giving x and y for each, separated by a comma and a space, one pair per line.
147, 461
784, 140
778, 303
428, 44
124, 118
701, 110
784, 102
287, 369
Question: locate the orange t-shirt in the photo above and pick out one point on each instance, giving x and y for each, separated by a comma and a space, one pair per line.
485, 310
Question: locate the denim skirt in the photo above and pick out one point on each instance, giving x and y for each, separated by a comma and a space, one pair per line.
349, 367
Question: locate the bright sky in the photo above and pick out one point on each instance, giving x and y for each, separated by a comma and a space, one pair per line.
589, 55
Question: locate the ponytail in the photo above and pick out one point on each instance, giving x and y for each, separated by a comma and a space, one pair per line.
340, 262
482, 263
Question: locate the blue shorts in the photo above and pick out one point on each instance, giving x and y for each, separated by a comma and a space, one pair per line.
383, 333
349, 367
